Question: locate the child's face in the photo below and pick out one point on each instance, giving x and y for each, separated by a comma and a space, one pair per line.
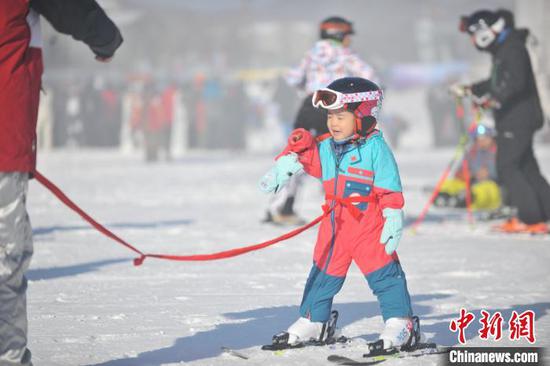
341, 124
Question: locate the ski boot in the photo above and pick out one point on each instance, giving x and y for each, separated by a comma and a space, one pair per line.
283, 220
304, 332
287, 220
503, 212
515, 226
399, 335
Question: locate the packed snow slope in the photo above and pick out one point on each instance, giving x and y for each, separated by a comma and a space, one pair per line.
88, 305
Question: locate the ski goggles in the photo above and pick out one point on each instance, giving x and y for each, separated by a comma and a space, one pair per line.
331, 99
337, 27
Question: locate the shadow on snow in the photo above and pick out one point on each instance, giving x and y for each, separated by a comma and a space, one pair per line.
67, 271
121, 225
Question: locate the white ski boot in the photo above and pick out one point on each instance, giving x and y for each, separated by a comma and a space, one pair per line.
400, 334
397, 332
304, 330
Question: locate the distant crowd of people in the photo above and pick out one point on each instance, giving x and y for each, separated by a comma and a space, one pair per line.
142, 113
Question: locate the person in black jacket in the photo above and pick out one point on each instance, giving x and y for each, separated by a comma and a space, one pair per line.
512, 93
85, 21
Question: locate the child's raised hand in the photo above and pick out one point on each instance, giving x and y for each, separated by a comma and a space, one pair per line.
393, 229
300, 140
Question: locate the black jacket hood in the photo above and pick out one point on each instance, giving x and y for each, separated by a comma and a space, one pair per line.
514, 36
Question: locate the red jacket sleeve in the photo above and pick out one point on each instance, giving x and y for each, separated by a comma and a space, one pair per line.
311, 161
304, 144
389, 199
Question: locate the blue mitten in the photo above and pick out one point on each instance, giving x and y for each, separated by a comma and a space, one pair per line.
393, 228
285, 167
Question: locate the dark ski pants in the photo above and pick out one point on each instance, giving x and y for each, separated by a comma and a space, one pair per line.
310, 118
519, 174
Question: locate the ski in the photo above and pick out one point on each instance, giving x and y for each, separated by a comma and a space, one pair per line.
285, 346
421, 349
282, 346
232, 352
342, 360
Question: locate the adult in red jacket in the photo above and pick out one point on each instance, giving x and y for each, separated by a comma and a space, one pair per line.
20, 79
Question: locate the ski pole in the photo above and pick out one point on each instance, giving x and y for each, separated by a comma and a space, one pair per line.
459, 151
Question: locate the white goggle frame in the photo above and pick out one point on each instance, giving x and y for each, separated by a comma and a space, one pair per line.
342, 99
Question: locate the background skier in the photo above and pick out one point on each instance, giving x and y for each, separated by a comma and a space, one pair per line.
511, 91
482, 167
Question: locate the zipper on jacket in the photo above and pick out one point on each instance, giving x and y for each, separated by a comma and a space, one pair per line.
337, 161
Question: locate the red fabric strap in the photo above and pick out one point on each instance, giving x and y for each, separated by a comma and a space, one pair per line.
66, 200
348, 202
237, 251
196, 257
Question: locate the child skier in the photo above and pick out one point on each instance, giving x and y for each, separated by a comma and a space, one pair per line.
362, 185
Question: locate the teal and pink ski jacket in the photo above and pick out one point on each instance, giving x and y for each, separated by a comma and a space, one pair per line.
360, 182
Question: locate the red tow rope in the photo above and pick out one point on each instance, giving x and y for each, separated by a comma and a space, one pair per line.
196, 257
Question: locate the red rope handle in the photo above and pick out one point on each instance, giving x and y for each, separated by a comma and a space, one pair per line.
196, 257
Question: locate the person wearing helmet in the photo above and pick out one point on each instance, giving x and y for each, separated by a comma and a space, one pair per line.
363, 188
481, 166
512, 94
329, 59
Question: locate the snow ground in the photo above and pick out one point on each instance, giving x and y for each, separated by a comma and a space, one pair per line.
88, 305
